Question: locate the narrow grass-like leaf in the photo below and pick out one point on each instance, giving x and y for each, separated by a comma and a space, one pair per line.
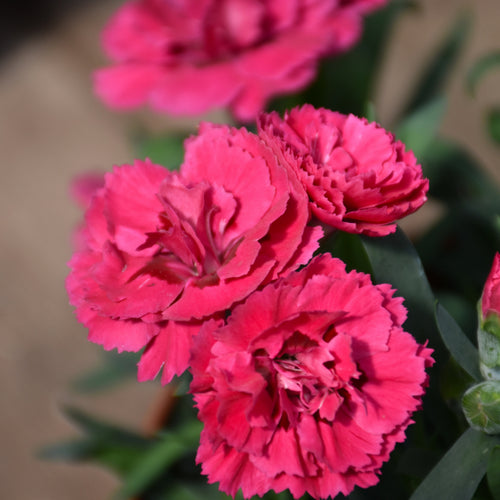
493, 121
370, 113
482, 66
103, 443
76, 450
418, 130
348, 248
460, 347
98, 428
460, 471
434, 78
394, 260
155, 462
493, 473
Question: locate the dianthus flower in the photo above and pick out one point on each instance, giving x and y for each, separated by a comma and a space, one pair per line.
358, 177
163, 251
308, 386
190, 56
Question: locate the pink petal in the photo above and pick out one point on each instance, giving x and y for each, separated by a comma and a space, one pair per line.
127, 86
169, 350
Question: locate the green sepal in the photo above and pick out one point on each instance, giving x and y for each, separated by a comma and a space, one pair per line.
481, 407
488, 342
491, 324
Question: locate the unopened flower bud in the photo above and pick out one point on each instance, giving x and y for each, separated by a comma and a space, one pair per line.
488, 333
481, 406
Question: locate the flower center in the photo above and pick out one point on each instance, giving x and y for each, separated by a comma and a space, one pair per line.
188, 247
227, 28
299, 384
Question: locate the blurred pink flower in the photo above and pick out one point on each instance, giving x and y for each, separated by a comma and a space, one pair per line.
490, 301
190, 56
164, 251
358, 177
309, 386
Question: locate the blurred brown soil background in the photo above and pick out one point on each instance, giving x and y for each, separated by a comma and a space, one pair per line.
52, 128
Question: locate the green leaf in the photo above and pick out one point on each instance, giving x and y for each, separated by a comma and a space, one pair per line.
435, 75
165, 150
68, 451
461, 310
103, 443
493, 120
418, 130
348, 248
461, 469
370, 113
482, 66
94, 427
115, 368
394, 260
493, 473
460, 347
170, 448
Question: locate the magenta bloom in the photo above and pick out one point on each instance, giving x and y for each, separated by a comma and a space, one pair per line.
490, 300
165, 251
190, 56
309, 386
358, 178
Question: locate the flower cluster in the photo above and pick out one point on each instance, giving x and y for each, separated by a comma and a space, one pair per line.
302, 372
189, 56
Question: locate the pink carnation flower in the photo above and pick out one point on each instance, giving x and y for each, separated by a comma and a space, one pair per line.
490, 300
190, 56
309, 386
359, 179
164, 251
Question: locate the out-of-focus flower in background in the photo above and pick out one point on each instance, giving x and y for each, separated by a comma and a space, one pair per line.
192, 56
